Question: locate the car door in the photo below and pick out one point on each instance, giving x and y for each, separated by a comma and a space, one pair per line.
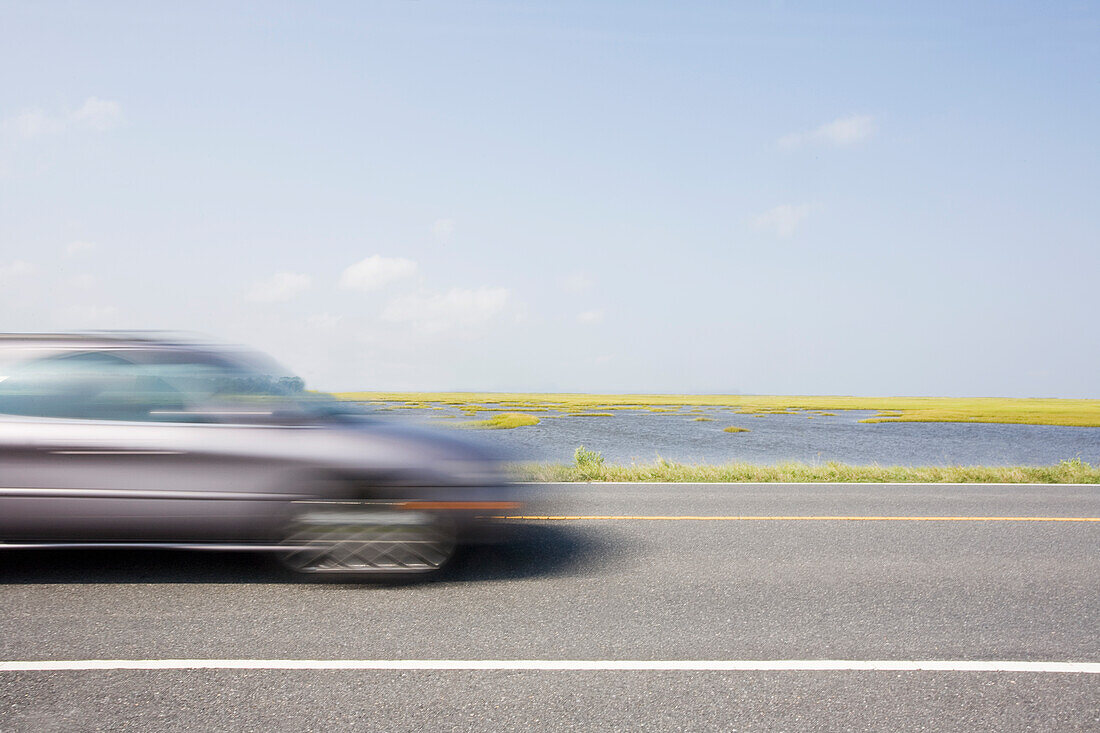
94, 448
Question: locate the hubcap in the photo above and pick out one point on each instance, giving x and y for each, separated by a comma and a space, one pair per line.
368, 541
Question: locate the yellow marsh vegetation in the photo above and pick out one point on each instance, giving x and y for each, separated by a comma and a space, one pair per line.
502, 421
1023, 411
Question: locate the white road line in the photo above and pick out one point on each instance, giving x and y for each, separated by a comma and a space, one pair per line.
580, 665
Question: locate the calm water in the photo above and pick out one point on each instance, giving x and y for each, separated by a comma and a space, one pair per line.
640, 436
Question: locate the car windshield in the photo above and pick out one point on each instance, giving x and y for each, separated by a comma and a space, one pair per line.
158, 385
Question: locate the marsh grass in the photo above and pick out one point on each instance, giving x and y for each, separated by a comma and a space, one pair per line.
589, 466
1023, 411
767, 409
702, 419
477, 408
735, 429
502, 421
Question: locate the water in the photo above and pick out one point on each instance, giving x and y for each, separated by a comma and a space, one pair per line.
640, 436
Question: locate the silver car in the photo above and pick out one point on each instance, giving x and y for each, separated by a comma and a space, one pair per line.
124, 440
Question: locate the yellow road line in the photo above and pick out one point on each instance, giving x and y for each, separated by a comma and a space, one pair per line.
838, 518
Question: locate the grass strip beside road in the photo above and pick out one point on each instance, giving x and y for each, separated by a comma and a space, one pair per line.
1022, 411
593, 469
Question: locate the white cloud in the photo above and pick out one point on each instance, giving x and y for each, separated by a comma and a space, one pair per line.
325, 322
577, 282
281, 286
82, 281
99, 114
842, 131
12, 271
376, 271
443, 229
75, 248
95, 113
590, 317
457, 308
784, 220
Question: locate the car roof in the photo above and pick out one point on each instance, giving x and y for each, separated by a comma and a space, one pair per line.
106, 339
22, 347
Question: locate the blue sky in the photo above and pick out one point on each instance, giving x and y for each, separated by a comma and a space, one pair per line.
630, 197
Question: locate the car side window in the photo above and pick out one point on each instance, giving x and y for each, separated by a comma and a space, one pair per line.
93, 385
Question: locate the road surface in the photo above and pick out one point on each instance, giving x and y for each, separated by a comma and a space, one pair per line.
743, 578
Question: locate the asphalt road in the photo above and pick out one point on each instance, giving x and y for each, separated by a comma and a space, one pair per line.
598, 589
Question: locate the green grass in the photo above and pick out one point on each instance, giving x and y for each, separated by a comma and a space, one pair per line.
589, 466
1025, 411
735, 429
702, 419
502, 421
480, 408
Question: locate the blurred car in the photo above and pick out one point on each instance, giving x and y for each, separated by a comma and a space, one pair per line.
131, 440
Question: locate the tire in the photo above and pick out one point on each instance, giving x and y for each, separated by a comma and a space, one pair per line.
367, 542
